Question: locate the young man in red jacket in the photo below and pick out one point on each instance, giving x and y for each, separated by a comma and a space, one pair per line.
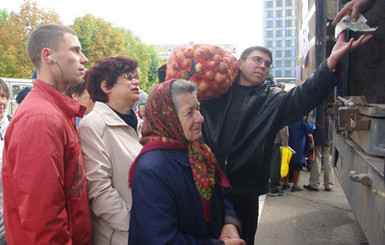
44, 184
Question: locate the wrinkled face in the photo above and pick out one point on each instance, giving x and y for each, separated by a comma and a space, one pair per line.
190, 117
85, 100
70, 59
3, 103
126, 89
254, 69
141, 109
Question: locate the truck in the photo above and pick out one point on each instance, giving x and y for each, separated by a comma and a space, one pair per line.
15, 85
357, 106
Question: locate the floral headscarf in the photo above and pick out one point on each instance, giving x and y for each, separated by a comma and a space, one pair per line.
163, 130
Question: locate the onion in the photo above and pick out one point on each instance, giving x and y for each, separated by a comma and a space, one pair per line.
222, 68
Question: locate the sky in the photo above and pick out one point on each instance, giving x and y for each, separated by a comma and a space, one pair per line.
169, 21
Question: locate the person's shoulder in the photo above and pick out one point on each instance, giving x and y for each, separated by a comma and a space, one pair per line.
39, 110
152, 158
158, 159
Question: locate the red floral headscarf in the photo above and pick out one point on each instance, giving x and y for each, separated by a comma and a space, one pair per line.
163, 130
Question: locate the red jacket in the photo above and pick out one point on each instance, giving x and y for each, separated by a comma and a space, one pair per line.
44, 183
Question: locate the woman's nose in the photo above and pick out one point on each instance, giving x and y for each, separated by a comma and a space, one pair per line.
135, 82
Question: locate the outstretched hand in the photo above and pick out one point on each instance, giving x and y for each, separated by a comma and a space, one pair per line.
353, 8
342, 48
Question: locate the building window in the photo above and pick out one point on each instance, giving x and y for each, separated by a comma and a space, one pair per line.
269, 44
269, 4
269, 14
288, 22
287, 53
288, 43
287, 63
269, 24
287, 73
288, 33
278, 13
279, 3
278, 33
269, 34
278, 73
288, 12
279, 43
278, 53
288, 3
279, 23
278, 63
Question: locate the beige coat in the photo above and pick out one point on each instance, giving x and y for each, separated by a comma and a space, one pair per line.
109, 147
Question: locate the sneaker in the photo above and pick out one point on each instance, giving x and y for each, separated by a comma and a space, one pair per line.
278, 193
285, 187
295, 189
328, 189
310, 188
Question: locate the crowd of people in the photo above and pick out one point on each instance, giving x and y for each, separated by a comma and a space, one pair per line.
179, 171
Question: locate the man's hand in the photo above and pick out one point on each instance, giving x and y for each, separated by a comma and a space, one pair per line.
353, 8
342, 48
230, 235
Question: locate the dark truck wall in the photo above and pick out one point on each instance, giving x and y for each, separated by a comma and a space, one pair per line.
366, 65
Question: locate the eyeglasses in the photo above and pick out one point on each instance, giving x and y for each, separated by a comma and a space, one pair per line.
128, 75
258, 60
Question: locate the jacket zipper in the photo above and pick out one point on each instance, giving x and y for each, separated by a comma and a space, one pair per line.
239, 124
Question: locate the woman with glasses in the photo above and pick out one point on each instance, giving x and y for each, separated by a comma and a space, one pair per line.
109, 138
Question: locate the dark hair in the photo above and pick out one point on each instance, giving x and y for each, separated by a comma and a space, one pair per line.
46, 36
77, 88
4, 87
22, 93
248, 51
107, 69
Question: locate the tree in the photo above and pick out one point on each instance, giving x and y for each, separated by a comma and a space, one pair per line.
135, 48
15, 29
155, 62
98, 38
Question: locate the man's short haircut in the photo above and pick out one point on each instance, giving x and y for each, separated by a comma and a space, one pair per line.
4, 87
107, 69
248, 51
46, 36
179, 88
76, 88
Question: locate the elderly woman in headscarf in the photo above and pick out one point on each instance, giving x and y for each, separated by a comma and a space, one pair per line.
109, 138
176, 182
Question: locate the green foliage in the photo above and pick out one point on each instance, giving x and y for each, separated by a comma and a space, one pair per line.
4, 14
98, 39
15, 29
156, 62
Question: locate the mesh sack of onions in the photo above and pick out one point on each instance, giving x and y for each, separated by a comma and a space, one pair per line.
212, 68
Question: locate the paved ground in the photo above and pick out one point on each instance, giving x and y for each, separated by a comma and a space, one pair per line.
306, 217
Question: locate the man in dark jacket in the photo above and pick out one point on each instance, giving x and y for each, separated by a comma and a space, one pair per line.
240, 126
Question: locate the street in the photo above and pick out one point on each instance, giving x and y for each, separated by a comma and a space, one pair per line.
308, 217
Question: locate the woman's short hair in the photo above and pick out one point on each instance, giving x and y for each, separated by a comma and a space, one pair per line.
4, 87
76, 88
107, 69
179, 88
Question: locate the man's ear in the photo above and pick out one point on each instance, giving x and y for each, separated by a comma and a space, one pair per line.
240, 62
104, 87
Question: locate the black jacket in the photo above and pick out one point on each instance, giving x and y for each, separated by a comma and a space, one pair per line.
265, 110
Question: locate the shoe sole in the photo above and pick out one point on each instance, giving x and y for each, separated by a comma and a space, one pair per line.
308, 187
